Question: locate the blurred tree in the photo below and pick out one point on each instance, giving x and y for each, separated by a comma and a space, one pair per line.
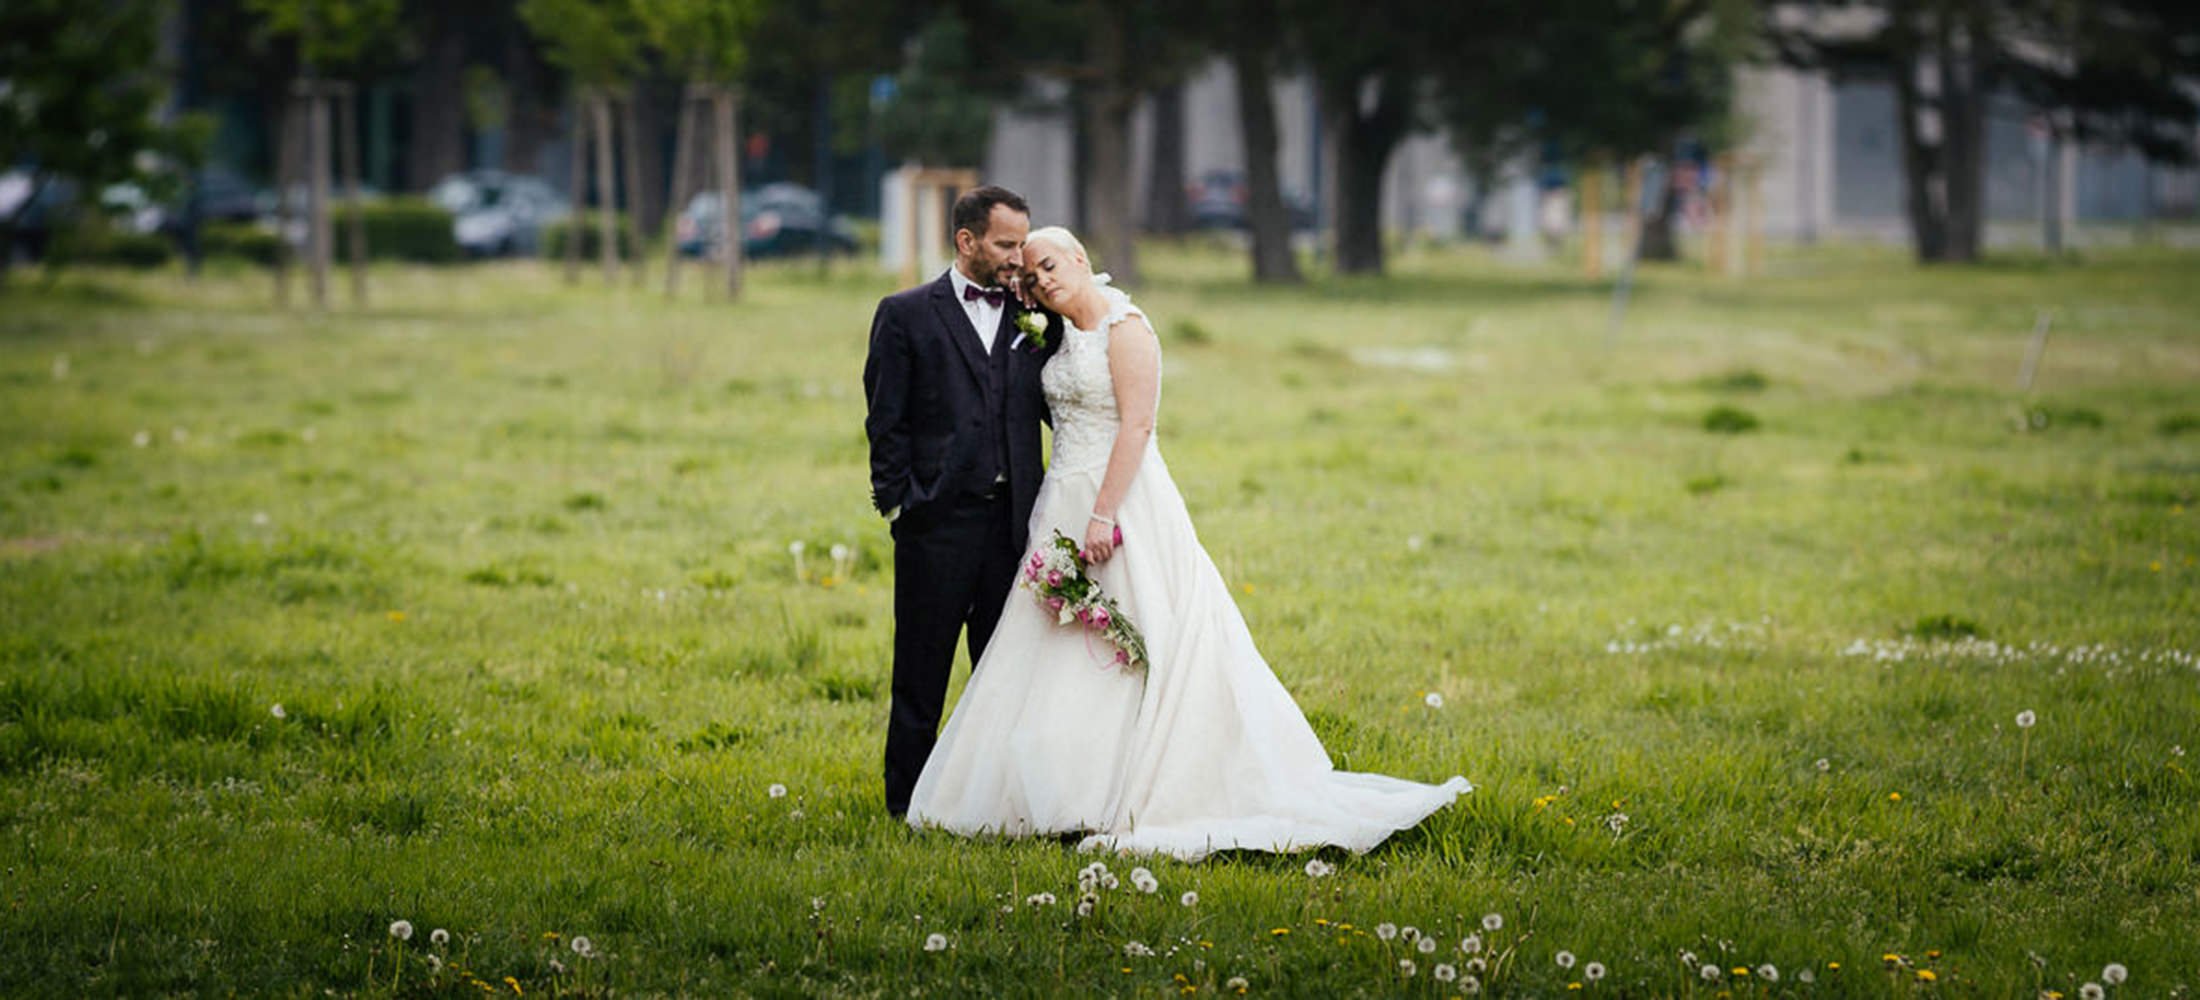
1370, 61
2116, 71
332, 39
938, 116
1251, 37
706, 44
598, 43
1112, 54
79, 97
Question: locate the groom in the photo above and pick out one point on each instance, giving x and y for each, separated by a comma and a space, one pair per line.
955, 408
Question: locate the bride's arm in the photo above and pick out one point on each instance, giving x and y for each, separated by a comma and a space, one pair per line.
1134, 363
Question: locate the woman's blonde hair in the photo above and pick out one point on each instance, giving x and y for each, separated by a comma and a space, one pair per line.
1059, 237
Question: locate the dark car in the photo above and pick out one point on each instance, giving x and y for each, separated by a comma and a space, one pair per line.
1217, 201
777, 220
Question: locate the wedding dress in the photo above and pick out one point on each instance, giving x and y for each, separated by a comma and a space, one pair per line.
1202, 751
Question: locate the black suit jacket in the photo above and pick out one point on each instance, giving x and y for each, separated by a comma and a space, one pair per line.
931, 403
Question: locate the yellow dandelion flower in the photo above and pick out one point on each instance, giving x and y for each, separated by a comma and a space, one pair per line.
1926, 976
1206, 944
1891, 958
1894, 796
1344, 927
1179, 977
514, 984
2156, 565
1741, 970
1125, 970
1569, 821
1835, 966
1935, 953
397, 616
1321, 921
551, 935
1187, 989
1280, 931
1573, 986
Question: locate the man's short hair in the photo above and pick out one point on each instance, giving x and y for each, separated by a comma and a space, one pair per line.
974, 208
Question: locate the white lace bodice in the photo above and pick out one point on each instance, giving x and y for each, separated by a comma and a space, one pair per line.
1080, 392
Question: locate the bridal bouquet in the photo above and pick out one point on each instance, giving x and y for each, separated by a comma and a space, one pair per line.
1056, 576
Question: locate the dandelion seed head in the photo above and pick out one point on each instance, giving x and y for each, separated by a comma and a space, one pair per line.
2091, 991
1237, 983
401, 930
1386, 931
1709, 972
1434, 700
583, 947
1824, 765
1406, 968
439, 937
1444, 973
1470, 944
1317, 868
277, 711
777, 790
1492, 922
2025, 719
1427, 945
2114, 974
1593, 971
1565, 959
932, 942
1189, 899
1768, 972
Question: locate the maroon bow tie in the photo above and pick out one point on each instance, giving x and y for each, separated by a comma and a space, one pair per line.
992, 296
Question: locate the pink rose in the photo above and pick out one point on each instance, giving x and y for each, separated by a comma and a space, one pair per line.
1054, 578
1099, 618
1054, 604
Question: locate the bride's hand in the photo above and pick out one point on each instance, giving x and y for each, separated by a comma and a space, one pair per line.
1101, 540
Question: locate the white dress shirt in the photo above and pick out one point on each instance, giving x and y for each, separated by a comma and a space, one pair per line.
984, 316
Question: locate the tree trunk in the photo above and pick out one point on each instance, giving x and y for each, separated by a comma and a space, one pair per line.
687, 125
1366, 138
607, 188
1166, 212
1108, 105
1963, 126
438, 142
576, 186
726, 136
1265, 213
1922, 171
319, 234
289, 136
630, 156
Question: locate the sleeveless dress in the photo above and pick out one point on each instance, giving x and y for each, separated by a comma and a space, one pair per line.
1202, 751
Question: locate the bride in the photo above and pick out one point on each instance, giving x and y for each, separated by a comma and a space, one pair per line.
1202, 750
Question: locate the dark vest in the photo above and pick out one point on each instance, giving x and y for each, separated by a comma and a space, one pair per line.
993, 459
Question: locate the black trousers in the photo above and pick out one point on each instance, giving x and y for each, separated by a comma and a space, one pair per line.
952, 570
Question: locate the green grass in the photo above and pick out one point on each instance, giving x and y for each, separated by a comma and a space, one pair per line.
513, 558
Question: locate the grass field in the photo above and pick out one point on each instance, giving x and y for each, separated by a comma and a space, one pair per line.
476, 610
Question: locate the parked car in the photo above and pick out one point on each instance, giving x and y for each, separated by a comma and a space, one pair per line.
777, 220
1218, 198
495, 213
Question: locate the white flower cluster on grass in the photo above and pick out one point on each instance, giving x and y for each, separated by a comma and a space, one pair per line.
1738, 635
1970, 648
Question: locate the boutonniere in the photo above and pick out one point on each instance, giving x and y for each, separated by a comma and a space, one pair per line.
1034, 325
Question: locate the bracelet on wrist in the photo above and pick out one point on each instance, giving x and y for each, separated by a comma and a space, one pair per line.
1109, 521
